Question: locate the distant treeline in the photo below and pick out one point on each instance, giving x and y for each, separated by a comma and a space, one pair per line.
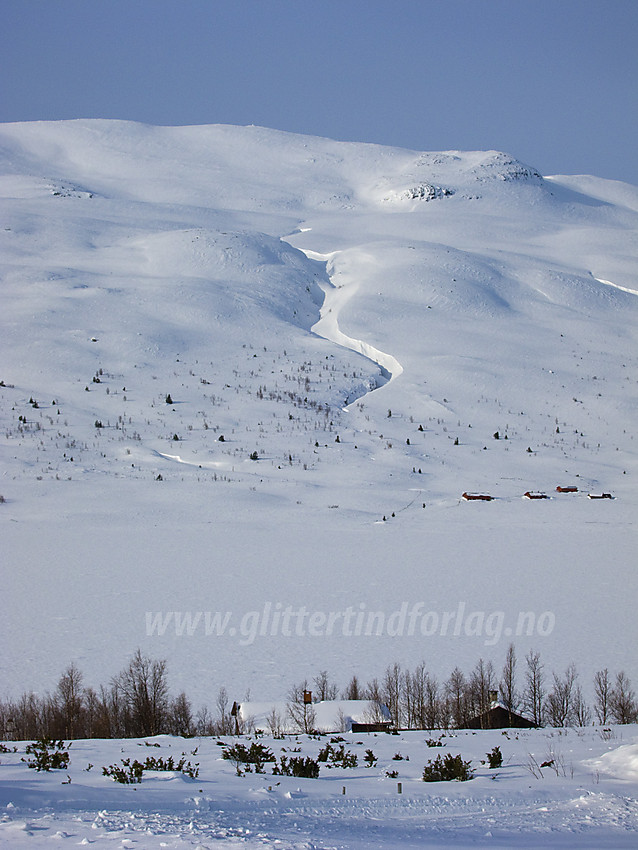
137, 701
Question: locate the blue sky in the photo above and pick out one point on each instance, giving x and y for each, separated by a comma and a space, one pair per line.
553, 83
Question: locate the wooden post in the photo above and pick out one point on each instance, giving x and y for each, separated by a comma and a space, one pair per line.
343, 789
234, 712
307, 700
399, 788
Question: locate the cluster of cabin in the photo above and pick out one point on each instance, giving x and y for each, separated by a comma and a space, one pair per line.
485, 497
358, 716
326, 716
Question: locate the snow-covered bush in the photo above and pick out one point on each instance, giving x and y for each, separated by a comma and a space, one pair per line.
446, 769
256, 755
127, 773
130, 773
303, 768
337, 757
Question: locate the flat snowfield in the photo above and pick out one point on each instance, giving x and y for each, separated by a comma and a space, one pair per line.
556, 788
247, 377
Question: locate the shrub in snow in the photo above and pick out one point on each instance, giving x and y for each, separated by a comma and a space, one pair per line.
48, 754
337, 756
303, 768
126, 773
495, 758
130, 773
446, 769
169, 764
256, 755
370, 759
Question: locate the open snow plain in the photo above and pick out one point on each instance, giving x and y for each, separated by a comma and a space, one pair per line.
362, 321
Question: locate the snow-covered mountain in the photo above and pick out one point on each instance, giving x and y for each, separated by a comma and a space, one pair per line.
248, 372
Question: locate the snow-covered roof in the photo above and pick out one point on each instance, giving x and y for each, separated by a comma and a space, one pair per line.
329, 715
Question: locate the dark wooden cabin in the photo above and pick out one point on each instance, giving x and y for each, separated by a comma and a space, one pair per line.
499, 717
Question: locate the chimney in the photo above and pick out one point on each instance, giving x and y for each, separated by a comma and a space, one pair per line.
493, 697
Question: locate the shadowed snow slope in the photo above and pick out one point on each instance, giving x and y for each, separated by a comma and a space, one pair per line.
199, 326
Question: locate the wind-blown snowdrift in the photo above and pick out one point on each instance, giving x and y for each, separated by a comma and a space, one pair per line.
186, 312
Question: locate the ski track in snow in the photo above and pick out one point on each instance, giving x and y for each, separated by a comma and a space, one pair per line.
335, 299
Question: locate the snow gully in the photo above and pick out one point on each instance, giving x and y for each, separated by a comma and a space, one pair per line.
335, 298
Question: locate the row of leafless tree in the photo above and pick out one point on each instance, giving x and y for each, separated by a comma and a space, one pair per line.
417, 699
137, 701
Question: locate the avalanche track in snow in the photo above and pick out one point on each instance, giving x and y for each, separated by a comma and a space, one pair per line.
335, 298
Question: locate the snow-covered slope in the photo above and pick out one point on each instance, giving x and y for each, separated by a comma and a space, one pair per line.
360, 320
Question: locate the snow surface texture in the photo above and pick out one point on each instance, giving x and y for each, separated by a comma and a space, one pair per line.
362, 320
583, 796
